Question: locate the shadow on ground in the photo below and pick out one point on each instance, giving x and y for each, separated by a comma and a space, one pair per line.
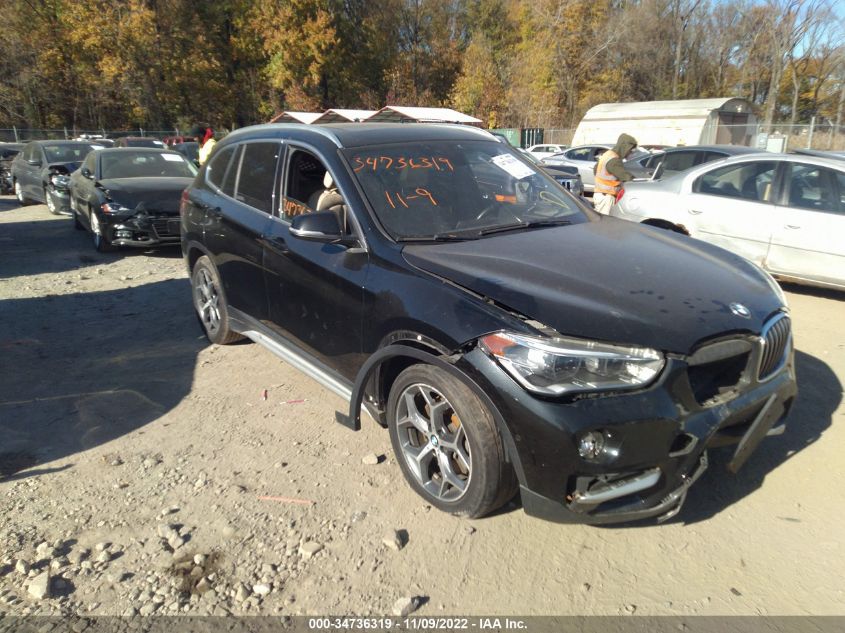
50, 244
813, 291
819, 395
82, 369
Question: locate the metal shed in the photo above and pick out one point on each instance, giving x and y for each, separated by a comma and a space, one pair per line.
725, 120
296, 117
408, 114
339, 115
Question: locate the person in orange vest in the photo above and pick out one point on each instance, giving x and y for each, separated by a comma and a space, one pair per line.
611, 173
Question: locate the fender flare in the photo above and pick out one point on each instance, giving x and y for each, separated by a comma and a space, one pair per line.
353, 419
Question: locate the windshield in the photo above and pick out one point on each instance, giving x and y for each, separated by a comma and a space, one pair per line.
447, 189
66, 153
125, 163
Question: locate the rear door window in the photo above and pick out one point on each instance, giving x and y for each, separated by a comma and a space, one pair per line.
750, 181
257, 179
216, 170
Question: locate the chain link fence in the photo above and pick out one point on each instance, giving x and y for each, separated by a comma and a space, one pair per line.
22, 135
779, 137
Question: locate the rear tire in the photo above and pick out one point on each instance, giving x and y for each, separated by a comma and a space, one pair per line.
210, 303
447, 444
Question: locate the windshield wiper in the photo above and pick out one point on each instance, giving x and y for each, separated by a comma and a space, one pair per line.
437, 237
524, 225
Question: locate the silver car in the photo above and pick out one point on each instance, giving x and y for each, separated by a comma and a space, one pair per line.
585, 157
784, 212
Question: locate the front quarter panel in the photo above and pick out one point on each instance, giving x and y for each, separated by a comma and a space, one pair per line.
404, 299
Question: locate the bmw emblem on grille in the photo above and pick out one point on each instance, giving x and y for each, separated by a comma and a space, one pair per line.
740, 310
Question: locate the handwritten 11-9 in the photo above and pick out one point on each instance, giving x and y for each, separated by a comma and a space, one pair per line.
421, 193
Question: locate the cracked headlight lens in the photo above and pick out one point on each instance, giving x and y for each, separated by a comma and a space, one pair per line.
559, 365
113, 207
60, 181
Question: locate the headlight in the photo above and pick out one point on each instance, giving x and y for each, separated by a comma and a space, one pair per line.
60, 181
555, 366
113, 207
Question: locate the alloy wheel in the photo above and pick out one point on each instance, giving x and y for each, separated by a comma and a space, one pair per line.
96, 230
51, 204
433, 441
206, 300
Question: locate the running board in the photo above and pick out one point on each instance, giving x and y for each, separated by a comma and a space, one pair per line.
291, 357
300, 360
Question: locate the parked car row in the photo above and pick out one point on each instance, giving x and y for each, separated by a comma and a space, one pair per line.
125, 196
507, 336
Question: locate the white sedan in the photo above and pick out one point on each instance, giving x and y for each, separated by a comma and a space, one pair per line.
542, 151
785, 212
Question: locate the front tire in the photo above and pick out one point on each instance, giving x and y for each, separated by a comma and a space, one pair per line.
101, 240
447, 443
51, 203
19, 194
210, 303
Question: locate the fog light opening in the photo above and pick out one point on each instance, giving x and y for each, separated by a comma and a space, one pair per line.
683, 445
592, 445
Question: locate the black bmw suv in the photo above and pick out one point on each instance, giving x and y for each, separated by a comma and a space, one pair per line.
507, 336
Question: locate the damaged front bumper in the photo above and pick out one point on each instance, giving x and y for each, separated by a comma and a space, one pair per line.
144, 229
660, 435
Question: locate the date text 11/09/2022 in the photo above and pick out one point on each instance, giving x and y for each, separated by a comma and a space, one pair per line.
416, 624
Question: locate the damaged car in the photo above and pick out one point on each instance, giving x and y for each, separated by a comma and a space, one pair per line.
41, 171
130, 196
8, 151
510, 339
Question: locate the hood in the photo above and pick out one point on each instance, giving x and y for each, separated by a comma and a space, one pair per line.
624, 144
155, 194
609, 280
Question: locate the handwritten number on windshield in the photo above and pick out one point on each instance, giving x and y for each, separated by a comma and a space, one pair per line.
375, 163
420, 193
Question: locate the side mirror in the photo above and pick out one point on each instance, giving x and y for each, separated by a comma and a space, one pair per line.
322, 226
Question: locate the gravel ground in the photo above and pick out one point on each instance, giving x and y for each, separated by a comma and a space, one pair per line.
143, 471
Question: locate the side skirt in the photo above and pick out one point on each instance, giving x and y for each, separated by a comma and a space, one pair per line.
291, 354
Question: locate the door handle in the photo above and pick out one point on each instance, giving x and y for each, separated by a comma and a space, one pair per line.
791, 226
695, 212
276, 244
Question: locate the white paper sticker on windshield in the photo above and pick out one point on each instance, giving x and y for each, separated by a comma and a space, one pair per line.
173, 158
510, 164
98, 147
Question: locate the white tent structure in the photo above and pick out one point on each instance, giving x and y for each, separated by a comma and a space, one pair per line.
296, 117
339, 115
688, 122
409, 114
